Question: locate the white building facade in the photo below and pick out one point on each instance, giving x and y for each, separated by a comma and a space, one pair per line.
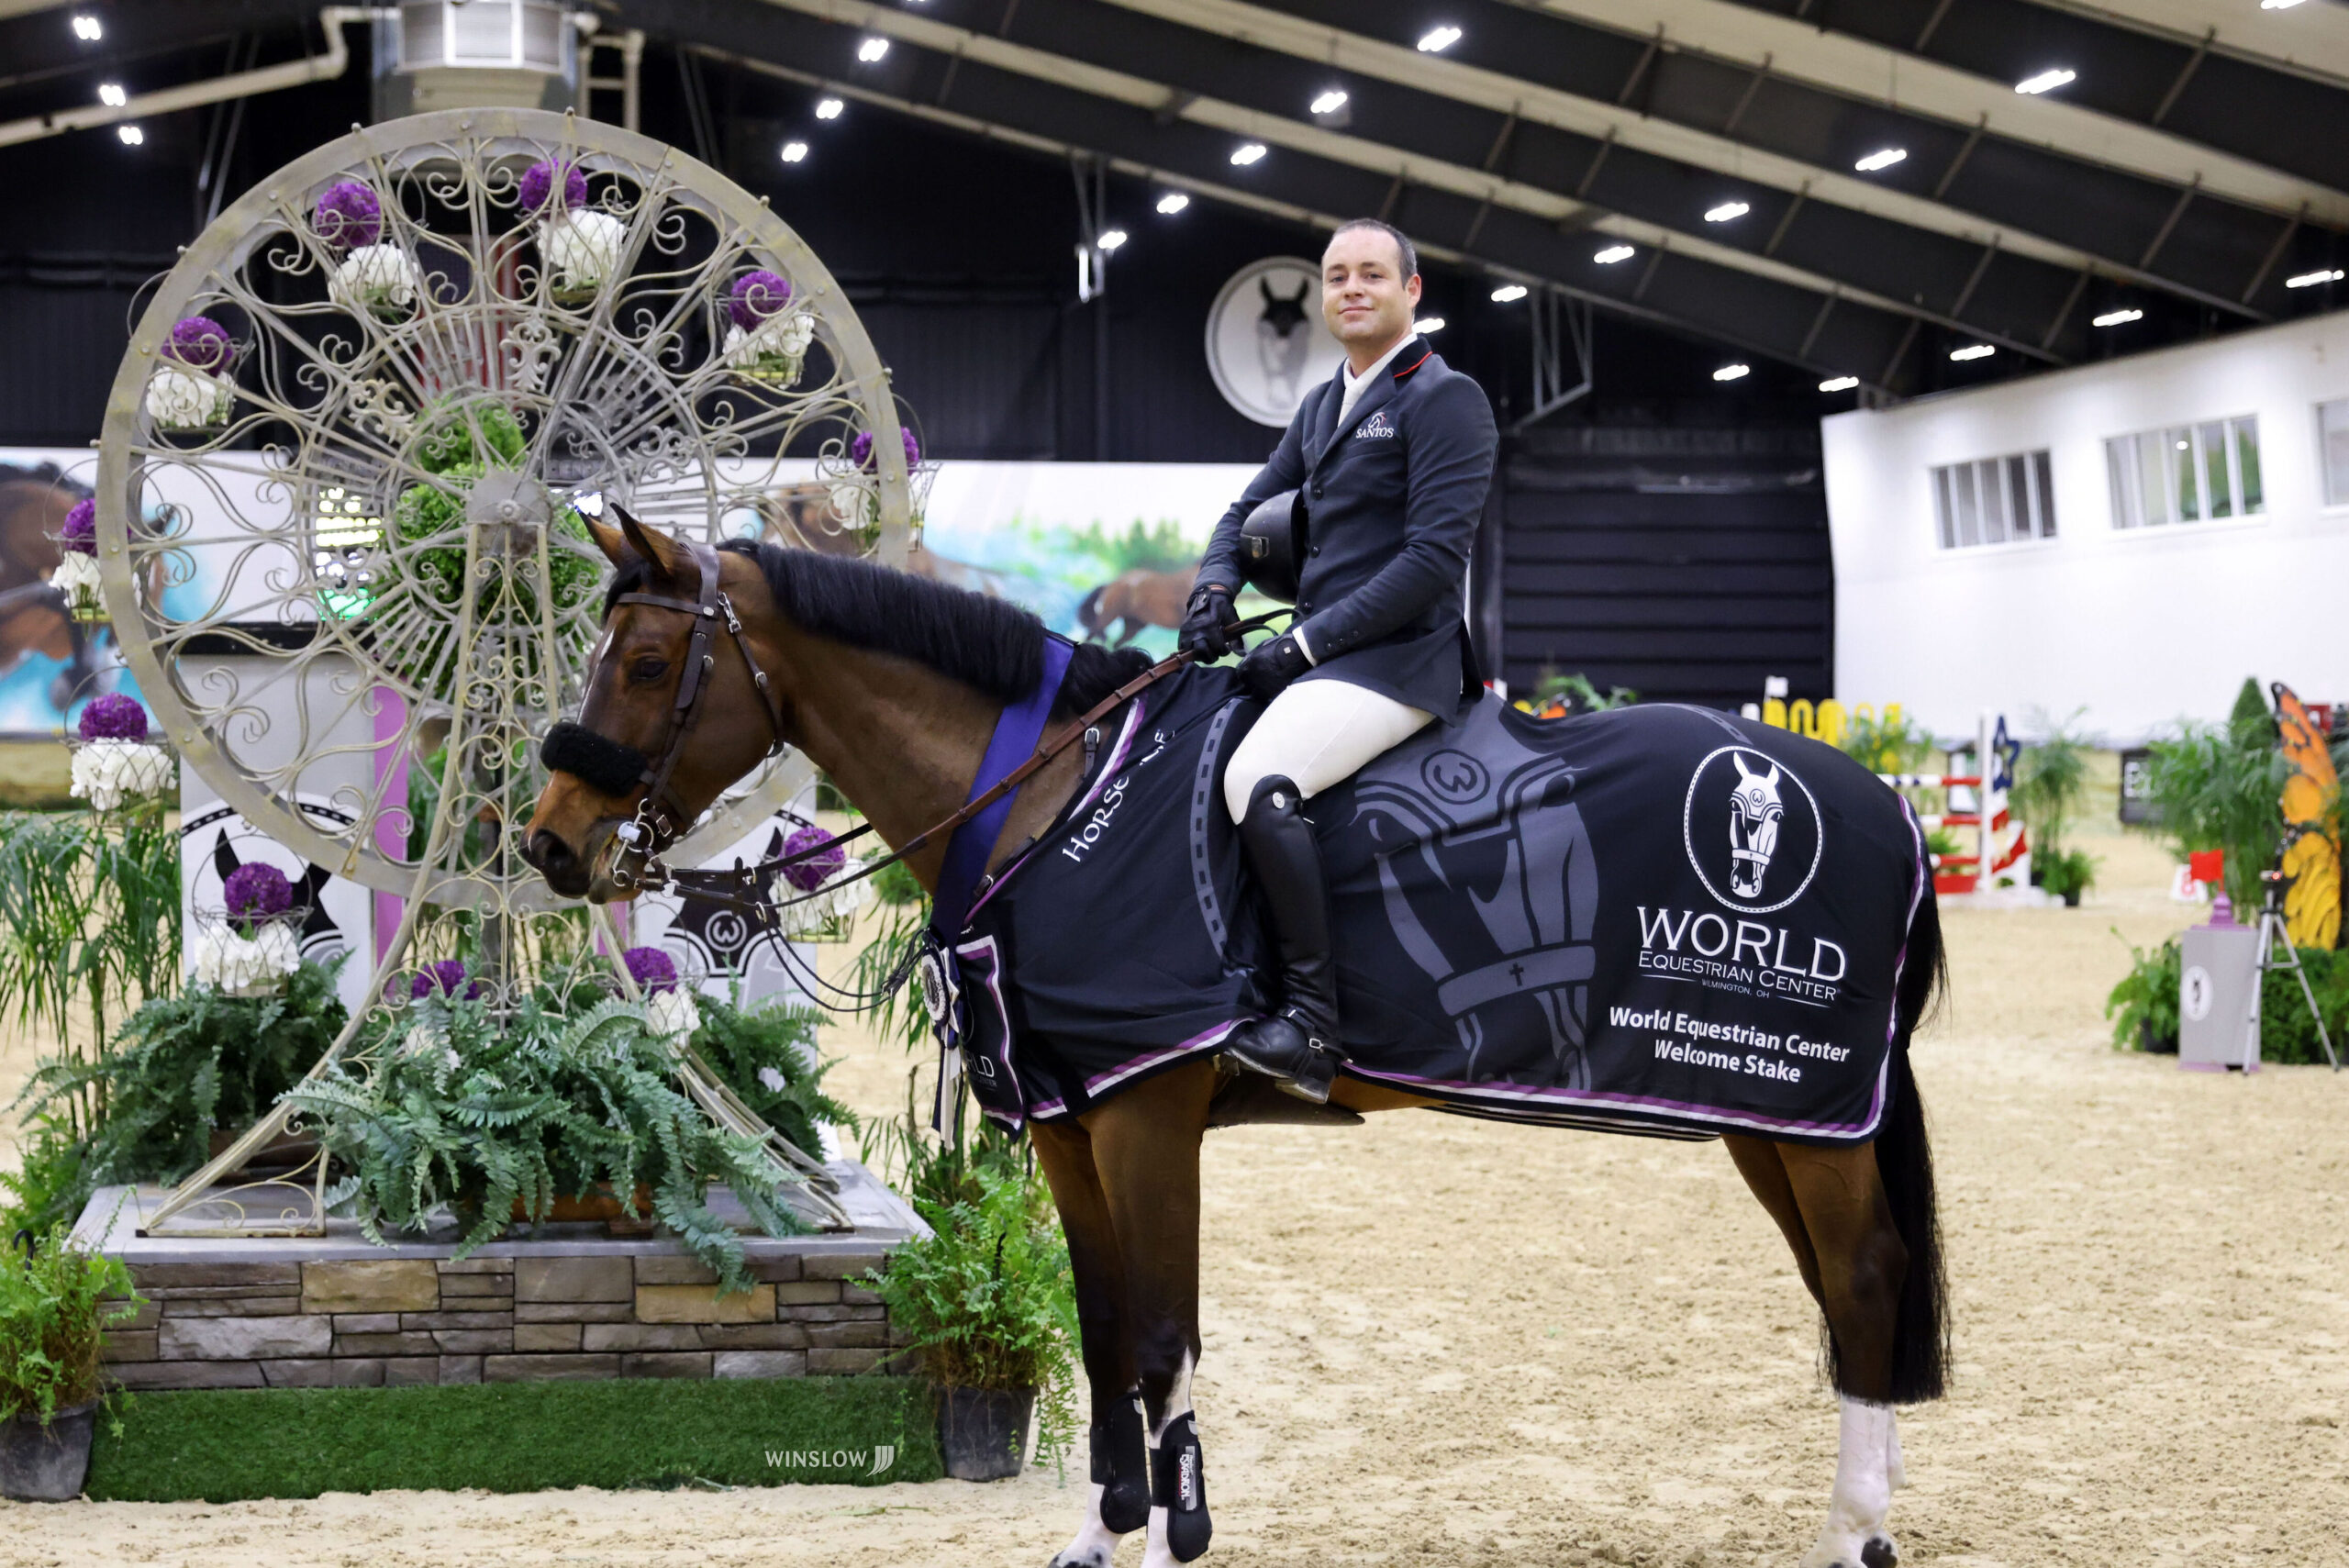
2132, 537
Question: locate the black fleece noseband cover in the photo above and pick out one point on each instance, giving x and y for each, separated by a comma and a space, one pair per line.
1179, 1485
1121, 1464
607, 765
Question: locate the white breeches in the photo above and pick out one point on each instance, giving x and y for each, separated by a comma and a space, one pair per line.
1315, 734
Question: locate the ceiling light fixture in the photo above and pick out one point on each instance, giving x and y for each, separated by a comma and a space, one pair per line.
1438, 39
1247, 153
131, 135
1330, 102
2116, 319
1839, 384
1613, 254
1884, 157
1732, 373
1510, 293
872, 50
2047, 81
794, 152
87, 29
1172, 202
1972, 351
828, 108
1427, 324
2309, 280
1726, 211
1111, 239
111, 94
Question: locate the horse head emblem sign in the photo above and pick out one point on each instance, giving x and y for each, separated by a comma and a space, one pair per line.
1281, 344
1754, 812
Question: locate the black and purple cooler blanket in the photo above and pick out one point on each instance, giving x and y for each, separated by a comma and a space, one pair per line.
1661, 919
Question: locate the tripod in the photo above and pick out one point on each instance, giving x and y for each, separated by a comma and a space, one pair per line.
2275, 936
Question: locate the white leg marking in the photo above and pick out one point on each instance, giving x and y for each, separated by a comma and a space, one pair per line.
1158, 1554
1894, 1473
1094, 1544
1863, 1495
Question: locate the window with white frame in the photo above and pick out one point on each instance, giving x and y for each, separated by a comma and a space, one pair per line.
2333, 450
1995, 500
2187, 474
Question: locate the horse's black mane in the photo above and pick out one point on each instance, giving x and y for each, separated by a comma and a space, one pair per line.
989, 644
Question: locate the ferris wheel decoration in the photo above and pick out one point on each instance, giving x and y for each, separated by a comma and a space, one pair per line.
343, 469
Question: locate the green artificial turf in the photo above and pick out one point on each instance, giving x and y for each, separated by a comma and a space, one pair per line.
221, 1445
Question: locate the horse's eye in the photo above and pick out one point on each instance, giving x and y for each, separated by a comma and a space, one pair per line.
648, 669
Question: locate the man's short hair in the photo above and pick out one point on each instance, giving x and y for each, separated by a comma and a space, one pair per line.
1403, 246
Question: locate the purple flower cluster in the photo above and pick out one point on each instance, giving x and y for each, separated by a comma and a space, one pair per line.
348, 216
537, 185
756, 296
113, 716
443, 978
200, 343
860, 451
257, 891
815, 871
652, 970
80, 533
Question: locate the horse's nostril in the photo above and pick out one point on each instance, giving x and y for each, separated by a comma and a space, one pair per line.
547, 851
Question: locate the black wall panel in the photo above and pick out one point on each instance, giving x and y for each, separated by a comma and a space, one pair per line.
1689, 564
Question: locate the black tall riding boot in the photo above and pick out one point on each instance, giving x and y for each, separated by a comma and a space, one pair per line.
1299, 1045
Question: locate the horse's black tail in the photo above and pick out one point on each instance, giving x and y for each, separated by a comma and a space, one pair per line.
1920, 1351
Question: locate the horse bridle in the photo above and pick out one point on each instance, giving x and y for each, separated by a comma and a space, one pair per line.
661, 816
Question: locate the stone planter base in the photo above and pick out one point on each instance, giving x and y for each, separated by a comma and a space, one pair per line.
556, 1301
983, 1432
47, 1464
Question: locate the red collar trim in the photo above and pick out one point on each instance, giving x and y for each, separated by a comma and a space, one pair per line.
1415, 364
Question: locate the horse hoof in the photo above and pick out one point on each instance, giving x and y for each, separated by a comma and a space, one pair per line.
1092, 1557
1879, 1552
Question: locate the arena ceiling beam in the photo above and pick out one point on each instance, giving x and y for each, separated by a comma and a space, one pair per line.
2144, 99
1756, 314
2312, 39
1445, 145
1654, 96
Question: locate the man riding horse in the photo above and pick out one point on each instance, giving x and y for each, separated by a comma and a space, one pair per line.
1393, 456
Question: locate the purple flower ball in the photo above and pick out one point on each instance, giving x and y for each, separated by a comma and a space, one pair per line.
537, 185
257, 891
200, 343
80, 533
113, 716
348, 216
652, 970
443, 978
817, 869
757, 295
860, 451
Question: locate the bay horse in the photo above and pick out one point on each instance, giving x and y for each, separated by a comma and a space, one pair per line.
893, 686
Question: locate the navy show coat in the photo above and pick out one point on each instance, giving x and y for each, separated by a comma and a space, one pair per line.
1393, 500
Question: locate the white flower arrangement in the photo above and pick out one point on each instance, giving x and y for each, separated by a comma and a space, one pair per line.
76, 577
107, 772
773, 1080
220, 956
857, 503
179, 398
671, 1016
838, 901
380, 279
775, 351
581, 249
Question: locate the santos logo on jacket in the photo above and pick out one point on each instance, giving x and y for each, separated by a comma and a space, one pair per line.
1375, 427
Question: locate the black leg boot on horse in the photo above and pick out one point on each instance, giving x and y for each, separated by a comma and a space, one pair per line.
1299, 1044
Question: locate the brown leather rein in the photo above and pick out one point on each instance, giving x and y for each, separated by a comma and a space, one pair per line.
652, 831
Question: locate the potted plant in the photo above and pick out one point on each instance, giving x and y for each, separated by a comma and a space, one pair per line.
2065, 873
2221, 786
55, 1306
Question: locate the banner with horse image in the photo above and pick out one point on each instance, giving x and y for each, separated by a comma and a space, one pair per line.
1659, 919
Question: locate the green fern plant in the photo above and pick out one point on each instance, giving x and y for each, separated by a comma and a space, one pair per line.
459, 1108
766, 1055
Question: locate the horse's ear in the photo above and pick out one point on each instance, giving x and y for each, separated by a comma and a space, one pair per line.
1743, 770
667, 558
610, 541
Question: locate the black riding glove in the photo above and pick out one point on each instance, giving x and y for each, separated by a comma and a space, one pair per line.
1203, 633
1272, 665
